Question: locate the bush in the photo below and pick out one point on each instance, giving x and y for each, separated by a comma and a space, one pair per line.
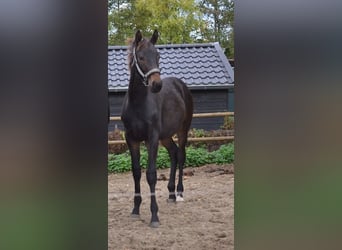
194, 157
228, 123
163, 159
225, 154
119, 163
197, 132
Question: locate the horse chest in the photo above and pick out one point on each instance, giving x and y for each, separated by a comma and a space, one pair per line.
138, 123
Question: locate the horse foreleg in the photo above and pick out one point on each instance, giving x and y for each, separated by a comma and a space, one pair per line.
134, 148
151, 176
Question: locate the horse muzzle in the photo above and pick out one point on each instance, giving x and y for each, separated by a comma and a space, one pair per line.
155, 82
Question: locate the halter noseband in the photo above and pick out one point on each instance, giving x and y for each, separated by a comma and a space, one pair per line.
144, 76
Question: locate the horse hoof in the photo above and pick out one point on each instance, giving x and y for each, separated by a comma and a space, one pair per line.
154, 224
179, 198
135, 216
171, 200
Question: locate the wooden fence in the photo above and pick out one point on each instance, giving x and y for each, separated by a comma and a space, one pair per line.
199, 115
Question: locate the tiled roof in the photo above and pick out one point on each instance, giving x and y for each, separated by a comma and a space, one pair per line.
199, 65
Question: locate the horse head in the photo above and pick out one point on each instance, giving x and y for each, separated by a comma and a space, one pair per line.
146, 59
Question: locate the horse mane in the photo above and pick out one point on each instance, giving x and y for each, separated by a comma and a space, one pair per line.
131, 44
129, 41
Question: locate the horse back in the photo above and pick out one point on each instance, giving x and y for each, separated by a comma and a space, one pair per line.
176, 106
175, 88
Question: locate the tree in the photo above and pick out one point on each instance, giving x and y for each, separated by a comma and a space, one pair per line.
177, 21
219, 16
120, 21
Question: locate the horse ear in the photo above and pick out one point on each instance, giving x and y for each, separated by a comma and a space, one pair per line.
138, 37
154, 37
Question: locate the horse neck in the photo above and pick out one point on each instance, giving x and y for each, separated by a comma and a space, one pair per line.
137, 91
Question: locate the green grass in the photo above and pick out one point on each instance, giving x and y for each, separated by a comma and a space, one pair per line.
194, 157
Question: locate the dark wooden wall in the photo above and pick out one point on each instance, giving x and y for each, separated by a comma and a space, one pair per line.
205, 101
115, 102
208, 101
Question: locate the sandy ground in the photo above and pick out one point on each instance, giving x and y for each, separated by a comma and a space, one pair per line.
204, 220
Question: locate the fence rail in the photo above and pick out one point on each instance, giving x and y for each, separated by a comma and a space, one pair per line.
199, 115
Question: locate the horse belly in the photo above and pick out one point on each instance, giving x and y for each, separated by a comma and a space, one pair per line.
137, 130
170, 127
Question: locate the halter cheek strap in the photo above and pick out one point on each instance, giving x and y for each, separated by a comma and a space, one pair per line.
144, 76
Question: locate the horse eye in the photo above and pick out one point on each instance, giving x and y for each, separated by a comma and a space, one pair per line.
141, 58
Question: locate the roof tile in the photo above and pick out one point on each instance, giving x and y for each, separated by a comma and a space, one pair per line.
199, 65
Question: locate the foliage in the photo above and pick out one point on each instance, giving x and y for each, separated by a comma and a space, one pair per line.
120, 21
228, 123
186, 21
177, 21
194, 157
220, 23
119, 163
225, 154
197, 132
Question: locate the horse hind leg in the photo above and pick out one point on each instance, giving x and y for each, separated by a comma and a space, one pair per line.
172, 149
181, 154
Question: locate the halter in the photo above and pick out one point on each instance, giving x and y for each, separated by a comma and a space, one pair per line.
144, 76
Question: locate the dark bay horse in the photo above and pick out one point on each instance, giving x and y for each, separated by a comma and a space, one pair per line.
154, 110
